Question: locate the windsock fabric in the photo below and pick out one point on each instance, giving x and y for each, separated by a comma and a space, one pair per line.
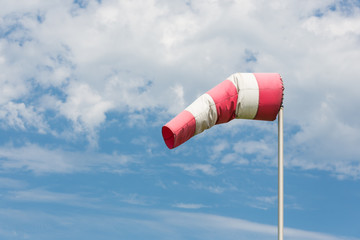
255, 96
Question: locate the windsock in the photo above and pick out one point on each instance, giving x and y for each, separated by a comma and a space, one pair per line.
255, 96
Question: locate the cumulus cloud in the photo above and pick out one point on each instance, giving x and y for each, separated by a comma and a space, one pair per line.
95, 57
20, 116
85, 108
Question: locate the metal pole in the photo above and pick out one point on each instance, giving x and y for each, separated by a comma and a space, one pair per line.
280, 175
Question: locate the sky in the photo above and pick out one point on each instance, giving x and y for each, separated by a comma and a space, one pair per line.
86, 85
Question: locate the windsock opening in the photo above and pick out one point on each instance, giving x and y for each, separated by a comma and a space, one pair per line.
168, 136
179, 129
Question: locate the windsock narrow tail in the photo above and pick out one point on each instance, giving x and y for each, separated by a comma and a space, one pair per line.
255, 96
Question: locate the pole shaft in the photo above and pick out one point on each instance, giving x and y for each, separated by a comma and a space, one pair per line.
280, 175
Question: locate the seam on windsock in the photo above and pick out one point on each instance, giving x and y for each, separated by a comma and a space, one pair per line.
226, 99
283, 88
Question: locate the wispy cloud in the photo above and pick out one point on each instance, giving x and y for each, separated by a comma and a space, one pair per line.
11, 183
135, 199
235, 159
189, 205
207, 169
41, 160
263, 202
229, 227
156, 223
45, 196
213, 188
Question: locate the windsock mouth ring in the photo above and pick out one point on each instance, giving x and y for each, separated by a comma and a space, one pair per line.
168, 136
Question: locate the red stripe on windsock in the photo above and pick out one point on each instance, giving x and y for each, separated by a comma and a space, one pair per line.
225, 98
270, 95
179, 129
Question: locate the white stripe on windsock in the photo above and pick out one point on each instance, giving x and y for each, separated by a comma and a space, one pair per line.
204, 111
248, 95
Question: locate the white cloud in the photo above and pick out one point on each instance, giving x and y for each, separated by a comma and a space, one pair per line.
41, 195
195, 167
20, 116
251, 152
325, 141
217, 150
232, 228
333, 25
234, 158
251, 147
177, 104
135, 199
216, 189
162, 57
157, 224
11, 183
147, 143
86, 109
189, 205
41, 160
263, 202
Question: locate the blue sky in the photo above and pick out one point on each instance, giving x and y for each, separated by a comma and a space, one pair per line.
87, 85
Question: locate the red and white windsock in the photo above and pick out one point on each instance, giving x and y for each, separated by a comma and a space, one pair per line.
255, 96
